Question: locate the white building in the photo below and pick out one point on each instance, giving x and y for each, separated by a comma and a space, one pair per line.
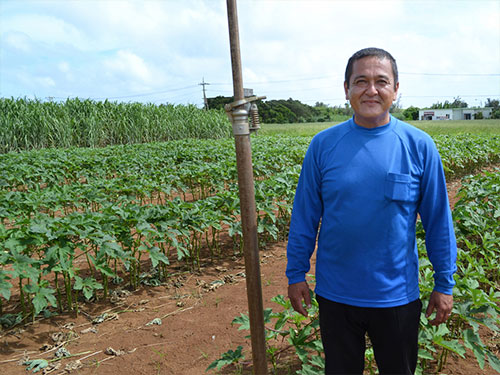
453, 113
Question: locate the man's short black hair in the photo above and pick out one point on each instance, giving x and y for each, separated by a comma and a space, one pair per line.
369, 52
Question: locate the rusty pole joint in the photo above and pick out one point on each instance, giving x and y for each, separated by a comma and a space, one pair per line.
238, 112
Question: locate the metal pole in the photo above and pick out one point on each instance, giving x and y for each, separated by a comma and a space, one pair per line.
248, 209
203, 83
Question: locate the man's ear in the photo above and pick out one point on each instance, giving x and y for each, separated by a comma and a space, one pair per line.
396, 91
346, 90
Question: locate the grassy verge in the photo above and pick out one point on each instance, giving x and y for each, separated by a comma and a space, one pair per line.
489, 126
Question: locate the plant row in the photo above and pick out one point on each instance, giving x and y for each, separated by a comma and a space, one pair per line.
108, 210
477, 291
464, 153
47, 254
186, 167
194, 164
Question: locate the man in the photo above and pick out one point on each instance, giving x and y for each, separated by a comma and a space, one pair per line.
366, 180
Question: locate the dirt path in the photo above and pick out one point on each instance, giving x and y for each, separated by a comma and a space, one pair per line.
196, 312
196, 324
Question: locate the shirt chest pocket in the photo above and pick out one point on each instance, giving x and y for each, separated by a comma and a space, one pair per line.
398, 187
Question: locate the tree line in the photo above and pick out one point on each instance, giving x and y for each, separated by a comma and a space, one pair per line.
290, 110
293, 111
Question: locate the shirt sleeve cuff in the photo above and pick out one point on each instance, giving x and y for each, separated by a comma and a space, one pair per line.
296, 279
443, 283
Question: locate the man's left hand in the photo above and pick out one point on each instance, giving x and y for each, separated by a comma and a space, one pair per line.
442, 303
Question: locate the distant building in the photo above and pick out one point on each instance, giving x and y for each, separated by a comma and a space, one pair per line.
454, 113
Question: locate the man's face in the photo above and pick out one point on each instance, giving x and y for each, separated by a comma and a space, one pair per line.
371, 91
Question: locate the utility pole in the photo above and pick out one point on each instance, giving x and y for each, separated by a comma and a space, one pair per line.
205, 101
238, 113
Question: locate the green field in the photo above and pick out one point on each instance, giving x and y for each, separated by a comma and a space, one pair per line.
431, 127
76, 222
33, 124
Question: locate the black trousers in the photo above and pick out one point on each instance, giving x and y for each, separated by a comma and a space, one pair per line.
393, 332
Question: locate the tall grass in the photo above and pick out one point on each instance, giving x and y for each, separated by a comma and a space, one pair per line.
32, 124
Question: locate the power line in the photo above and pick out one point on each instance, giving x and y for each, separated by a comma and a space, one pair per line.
450, 96
276, 81
147, 93
178, 98
338, 76
454, 74
296, 79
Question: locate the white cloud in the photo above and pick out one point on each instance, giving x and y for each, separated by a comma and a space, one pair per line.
156, 27
128, 63
45, 81
63, 67
66, 71
45, 29
18, 40
129, 72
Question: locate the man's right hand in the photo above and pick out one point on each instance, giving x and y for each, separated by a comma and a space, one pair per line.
297, 293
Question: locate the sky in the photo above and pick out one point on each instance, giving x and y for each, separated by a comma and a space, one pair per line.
159, 51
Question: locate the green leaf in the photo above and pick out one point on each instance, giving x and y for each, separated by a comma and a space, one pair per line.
473, 342
318, 361
105, 269
308, 370
25, 267
40, 228
227, 358
422, 353
452, 345
157, 256
298, 337
5, 286
78, 283
282, 301
112, 249
13, 244
493, 361
87, 286
267, 315
43, 296
39, 303
302, 354
10, 320
36, 365
243, 320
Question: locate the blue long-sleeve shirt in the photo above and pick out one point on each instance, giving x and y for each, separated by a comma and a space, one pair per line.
366, 187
